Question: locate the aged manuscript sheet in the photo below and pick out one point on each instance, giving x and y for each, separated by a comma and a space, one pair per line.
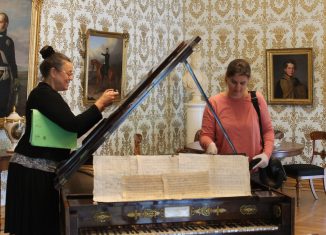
183, 176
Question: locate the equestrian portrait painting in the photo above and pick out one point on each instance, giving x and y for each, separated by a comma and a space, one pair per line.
105, 63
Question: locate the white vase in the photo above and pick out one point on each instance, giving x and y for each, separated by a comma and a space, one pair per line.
188, 81
14, 126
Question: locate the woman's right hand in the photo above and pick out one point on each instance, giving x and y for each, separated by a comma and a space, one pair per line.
211, 149
106, 99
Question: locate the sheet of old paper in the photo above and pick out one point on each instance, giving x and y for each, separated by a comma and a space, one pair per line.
133, 187
228, 174
183, 176
186, 185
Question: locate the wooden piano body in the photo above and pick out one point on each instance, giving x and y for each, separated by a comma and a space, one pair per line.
265, 212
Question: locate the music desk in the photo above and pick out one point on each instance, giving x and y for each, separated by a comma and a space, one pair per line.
285, 149
4, 162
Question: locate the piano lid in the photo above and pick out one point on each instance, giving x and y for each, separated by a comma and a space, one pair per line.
108, 125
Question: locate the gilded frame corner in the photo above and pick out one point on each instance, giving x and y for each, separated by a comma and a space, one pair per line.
34, 44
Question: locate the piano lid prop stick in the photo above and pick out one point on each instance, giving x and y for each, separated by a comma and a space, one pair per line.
209, 105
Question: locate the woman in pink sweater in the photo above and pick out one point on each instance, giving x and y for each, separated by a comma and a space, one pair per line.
239, 119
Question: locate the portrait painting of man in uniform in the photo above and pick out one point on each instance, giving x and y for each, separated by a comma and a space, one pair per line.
289, 76
105, 65
17, 53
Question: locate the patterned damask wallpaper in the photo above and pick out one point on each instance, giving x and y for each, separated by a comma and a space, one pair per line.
245, 29
154, 28
229, 29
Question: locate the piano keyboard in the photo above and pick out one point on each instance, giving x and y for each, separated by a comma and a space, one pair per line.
184, 228
266, 212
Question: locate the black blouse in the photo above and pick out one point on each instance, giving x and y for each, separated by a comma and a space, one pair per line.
51, 104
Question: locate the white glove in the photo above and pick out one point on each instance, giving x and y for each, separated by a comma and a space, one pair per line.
211, 149
263, 161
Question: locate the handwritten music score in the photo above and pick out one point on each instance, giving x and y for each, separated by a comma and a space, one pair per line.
183, 176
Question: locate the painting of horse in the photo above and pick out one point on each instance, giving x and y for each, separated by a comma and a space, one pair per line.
102, 74
108, 72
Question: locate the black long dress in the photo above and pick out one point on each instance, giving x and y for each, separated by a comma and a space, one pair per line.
32, 202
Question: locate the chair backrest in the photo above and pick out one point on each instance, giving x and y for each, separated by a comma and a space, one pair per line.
278, 134
137, 140
197, 135
314, 136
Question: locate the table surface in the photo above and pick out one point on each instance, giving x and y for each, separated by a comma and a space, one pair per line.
285, 149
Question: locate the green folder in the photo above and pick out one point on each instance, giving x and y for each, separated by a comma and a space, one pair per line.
45, 133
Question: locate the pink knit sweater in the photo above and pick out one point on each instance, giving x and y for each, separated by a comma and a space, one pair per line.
239, 119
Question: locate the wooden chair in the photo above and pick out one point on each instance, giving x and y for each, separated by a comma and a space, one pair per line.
309, 171
278, 134
137, 141
197, 135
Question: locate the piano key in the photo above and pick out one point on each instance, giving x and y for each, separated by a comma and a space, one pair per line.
207, 229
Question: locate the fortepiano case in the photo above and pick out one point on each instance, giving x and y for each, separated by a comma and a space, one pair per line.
267, 211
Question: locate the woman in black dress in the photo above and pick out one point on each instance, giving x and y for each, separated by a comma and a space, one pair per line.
32, 202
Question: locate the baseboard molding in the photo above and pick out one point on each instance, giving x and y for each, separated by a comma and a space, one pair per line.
318, 184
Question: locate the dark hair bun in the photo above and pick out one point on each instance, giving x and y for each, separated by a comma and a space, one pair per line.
46, 52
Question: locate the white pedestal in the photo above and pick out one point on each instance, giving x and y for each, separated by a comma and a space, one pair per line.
194, 119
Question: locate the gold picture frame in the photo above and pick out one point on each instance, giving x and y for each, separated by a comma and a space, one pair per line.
289, 76
25, 50
105, 66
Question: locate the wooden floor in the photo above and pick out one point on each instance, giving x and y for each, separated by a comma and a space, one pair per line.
310, 217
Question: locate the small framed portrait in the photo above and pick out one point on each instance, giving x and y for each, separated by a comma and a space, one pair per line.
289, 76
105, 66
